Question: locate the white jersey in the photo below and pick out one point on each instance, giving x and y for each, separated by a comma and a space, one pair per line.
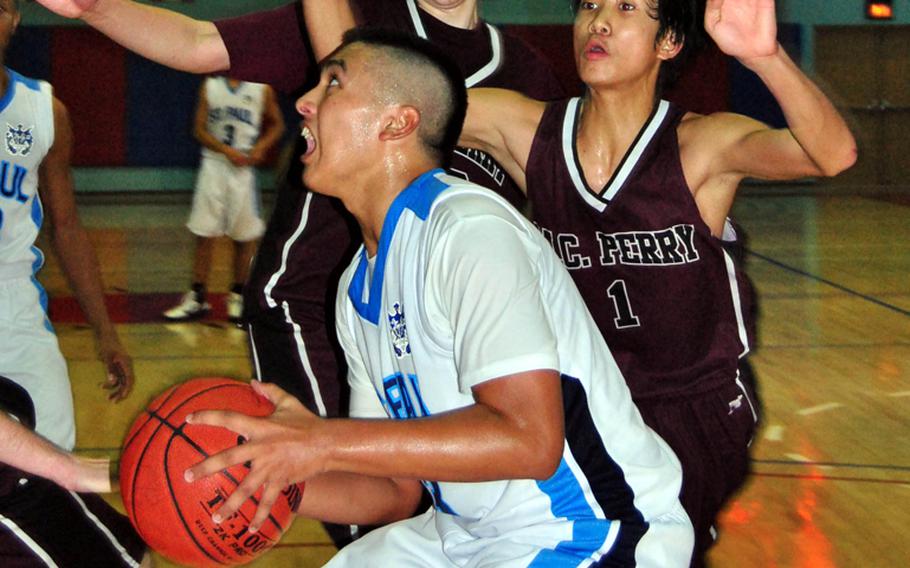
463, 290
27, 120
235, 114
33, 360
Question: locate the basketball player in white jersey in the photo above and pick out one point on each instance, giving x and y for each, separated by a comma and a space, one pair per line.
237, 124
35, 180
474, 365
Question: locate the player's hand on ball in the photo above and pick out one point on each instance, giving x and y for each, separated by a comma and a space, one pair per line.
281, 449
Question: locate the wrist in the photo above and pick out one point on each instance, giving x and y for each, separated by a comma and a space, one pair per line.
765, 62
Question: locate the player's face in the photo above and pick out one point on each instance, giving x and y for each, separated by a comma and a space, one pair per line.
9, 19
614, 42
341, 122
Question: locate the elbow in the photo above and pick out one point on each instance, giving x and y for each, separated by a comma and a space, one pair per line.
545, 459
842, 162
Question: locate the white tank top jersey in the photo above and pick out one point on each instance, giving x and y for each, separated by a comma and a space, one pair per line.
235, 115
463, 290
27, 120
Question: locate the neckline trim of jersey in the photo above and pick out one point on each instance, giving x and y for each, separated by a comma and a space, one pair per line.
600, 200
419, 197
491, 67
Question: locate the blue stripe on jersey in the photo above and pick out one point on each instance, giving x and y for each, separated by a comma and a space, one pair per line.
10, 89
14, 78
605, 477
42, 293
37, 212
419, 198
588, 531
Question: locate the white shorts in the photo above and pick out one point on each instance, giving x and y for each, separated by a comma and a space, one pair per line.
30, 356
226, 202
416, 543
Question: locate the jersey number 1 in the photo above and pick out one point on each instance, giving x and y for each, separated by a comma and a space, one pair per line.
620, 296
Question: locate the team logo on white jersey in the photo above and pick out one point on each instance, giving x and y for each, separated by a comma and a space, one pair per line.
399, 331
19, 139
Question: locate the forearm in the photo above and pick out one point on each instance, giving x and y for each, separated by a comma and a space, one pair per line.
268, 139
23, 449
326, 22
164, 36
80, 266
351, 499
811, 117
469, 445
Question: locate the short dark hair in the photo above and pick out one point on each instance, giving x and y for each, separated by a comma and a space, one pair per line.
679, 19
441, 124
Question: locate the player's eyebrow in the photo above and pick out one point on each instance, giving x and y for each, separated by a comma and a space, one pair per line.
334, 63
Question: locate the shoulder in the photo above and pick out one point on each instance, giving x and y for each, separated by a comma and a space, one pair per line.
716, 129
467, 215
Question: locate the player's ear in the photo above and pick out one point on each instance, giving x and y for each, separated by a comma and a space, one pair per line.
400, 122
668, 47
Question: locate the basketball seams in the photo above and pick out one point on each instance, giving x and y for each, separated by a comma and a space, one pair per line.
160, 413
176, 506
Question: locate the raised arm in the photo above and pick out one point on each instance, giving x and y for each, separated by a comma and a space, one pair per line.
326, 22
76, 255
161, 35
502, 123
720, 150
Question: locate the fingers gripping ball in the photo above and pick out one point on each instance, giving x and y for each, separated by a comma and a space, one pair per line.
175, 517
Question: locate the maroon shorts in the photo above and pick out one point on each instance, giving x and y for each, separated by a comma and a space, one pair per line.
305, 363
41, 523
710, 434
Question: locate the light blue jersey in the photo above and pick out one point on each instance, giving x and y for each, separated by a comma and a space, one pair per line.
463, 290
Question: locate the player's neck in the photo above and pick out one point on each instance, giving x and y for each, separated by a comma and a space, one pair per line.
465, 16
371, 196
609, 124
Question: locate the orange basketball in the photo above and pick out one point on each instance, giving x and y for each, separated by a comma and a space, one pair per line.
175, 517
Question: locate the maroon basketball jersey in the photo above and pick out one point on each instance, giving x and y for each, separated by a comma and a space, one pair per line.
660, 287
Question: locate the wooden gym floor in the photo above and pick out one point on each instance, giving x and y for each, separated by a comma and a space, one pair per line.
831, 482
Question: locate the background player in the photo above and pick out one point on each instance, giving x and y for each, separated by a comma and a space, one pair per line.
472, 358
35, 160
237, 124
49, 514
633, 193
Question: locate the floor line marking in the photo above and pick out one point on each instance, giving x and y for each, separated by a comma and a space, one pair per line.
801, 462
832, 478
831, 283
818, 409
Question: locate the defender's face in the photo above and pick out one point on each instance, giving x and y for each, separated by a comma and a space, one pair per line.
341, 122
614, 40
9, 19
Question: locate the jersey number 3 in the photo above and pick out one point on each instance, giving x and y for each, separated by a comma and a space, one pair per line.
620, 296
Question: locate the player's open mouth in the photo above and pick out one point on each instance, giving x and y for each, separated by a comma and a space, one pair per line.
595, 50
310, 140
